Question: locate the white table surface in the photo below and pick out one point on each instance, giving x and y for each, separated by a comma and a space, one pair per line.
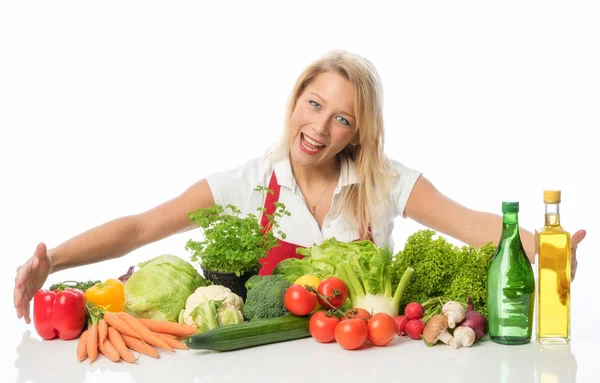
26, 358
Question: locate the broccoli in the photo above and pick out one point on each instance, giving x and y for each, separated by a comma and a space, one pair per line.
264, 297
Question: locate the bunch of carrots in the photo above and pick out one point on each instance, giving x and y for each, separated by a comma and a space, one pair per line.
116, 334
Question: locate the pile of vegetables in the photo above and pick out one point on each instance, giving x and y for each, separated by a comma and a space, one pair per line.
364, 268
443, 270
449, 322
353, 294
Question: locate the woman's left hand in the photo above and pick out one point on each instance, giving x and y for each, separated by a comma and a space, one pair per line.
576, 238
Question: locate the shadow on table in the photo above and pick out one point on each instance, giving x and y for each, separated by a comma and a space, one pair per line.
56, 361
514, 364
39, 361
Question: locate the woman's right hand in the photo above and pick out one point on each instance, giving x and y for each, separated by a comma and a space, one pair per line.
30, 278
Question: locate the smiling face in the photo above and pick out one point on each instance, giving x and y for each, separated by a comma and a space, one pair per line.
323, 122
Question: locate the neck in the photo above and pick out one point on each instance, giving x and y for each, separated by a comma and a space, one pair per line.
314, 174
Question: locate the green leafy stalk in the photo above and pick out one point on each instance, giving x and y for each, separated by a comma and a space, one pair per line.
94, 313
355, 288
406, 277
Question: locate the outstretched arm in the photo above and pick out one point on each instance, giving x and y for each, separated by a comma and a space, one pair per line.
110, 240
125, 234
429, 207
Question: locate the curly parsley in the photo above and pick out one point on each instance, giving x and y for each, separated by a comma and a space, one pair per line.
232, 242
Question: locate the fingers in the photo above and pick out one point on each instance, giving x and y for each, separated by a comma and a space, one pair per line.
41, 250
577, 237
22, 303
26, 311
19, 302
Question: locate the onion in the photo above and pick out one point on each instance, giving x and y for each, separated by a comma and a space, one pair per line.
476, 321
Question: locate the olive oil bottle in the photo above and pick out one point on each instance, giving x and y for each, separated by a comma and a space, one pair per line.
553, 251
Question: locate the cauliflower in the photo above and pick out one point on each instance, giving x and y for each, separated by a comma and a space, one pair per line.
212, 306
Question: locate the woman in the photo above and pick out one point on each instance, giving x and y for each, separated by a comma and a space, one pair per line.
329, 171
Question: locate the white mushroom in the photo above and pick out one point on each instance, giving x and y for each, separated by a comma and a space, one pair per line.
436, 329
455, 313
464, 336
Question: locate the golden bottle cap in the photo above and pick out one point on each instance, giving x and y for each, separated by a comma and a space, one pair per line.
551, 196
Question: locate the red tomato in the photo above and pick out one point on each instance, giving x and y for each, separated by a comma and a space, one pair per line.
357, 313
299, 301
351, 333
335, 289
322, 326
382, 329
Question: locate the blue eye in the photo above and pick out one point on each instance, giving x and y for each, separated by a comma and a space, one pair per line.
315, 104
343, 121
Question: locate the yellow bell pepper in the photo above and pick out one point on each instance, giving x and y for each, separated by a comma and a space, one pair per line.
109, 295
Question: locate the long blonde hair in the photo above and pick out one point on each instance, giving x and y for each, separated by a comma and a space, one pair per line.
373, 173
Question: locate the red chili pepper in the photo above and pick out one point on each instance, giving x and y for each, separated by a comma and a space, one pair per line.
59, 313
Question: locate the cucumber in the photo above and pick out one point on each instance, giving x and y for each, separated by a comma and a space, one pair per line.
250, 334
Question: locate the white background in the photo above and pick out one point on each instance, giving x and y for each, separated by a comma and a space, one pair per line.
108, 109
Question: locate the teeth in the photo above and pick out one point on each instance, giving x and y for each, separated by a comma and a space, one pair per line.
312, 142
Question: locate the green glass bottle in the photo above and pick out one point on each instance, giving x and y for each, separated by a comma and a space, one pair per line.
511, 285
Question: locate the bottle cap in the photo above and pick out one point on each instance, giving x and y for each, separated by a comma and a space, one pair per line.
510, 207
551, 196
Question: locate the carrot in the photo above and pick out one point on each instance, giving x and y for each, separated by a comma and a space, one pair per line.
172, 341
169, 335
82, 347
113, 320
109, 351
102, 331
117, 341
180, 330
91, 341
144, 332
139, 346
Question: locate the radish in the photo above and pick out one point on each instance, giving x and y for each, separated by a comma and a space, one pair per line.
414, 328
401, 321
414, 310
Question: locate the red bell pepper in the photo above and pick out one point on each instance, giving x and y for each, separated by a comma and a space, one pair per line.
59, 313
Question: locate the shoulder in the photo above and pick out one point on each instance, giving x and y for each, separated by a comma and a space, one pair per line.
404, 180
252, 170
233, 184
400, 168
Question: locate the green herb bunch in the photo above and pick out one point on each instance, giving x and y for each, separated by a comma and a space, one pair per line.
444, 270
232, 242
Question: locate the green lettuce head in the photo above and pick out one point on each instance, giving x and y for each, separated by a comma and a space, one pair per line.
160, 288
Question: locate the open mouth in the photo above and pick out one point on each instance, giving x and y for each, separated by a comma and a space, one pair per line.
310, 145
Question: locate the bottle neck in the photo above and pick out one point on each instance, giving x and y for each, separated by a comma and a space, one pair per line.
510, 225
552, 214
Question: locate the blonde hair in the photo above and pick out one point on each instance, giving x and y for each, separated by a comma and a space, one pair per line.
373, 173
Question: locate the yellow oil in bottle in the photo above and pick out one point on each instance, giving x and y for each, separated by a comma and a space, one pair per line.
553, 247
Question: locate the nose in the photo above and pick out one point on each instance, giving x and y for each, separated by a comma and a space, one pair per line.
321, 126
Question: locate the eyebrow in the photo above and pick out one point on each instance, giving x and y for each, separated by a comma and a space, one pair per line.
325, 102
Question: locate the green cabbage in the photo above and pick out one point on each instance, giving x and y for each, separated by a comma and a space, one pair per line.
160, 288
